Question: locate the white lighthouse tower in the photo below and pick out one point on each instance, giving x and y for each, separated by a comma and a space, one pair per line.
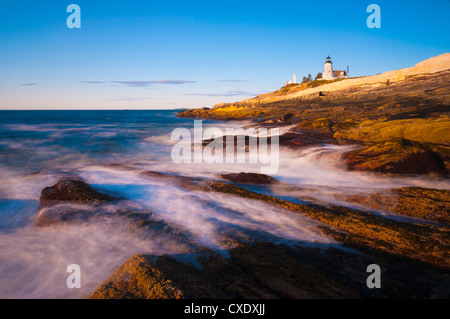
328, 70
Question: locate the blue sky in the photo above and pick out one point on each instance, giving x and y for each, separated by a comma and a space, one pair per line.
175, 54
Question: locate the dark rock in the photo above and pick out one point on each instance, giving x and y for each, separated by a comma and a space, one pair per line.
59, 215
76, 214
238, 141
265, 270
305, 137
397, 156
286, 117
71, 190
422, 162
299, 138
250, 178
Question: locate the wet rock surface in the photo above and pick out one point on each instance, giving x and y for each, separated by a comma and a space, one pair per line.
74, 191
430, 204
250, 178
76, 214
265, 270
364, 230
396, 157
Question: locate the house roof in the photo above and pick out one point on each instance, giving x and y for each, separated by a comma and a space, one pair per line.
338, 72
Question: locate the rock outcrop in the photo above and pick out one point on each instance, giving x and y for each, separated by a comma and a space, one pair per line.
397, 156
266, 271
73, 191
250, 178
137, 278
77, 214
431, 204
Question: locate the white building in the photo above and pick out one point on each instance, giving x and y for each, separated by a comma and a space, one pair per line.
329, 74
293, 81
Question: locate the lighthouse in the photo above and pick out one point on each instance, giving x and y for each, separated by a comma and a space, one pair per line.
328, 70
329, 74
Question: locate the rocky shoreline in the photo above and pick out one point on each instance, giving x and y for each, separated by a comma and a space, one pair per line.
401, 127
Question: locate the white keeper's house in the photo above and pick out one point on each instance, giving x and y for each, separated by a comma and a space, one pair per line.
329, 74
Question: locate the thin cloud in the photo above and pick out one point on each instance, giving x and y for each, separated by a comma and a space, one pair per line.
92, 82
148, 83
227, 93
29, 84
134, 83
172, 82
140, 84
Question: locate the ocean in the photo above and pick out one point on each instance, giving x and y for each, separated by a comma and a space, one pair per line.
37, 148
